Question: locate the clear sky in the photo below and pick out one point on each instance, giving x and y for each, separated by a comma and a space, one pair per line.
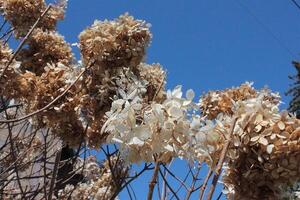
207, 45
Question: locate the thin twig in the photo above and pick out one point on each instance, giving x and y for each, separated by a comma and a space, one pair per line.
296, 4
168, 185
3, 24
146, 168
182, 182
203, 187
153, 181
55, 169
194, 181
10, 134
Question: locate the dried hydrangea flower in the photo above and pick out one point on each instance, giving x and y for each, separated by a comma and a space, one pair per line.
216, 102
162, 129
8, 83
22, 14
264, 153
155, 76
44, 48
118, 43
62, 117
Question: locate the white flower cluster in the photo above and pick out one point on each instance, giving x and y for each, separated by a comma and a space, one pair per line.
170, 129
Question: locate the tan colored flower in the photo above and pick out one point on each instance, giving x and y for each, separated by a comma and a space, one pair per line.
44, 48
156, 78
118, 43
22, 14
216, 102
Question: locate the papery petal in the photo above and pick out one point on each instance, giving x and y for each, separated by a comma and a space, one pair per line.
177, 93
190, 94
143, 132
175, 112
117, 140
136, 141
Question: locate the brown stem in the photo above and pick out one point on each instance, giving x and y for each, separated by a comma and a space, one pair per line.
203, 187
221, 161
55, 169
192, 188
153, 181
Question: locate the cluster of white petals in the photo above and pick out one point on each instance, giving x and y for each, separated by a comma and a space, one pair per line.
168, 129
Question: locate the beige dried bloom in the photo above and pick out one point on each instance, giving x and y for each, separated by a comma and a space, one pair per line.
5, 53
38, 91
156, 78
62, 117
24, 86
216, 102
44, 48
8, 81
98, 89
48, 86
22, 14
118, 43
264, 154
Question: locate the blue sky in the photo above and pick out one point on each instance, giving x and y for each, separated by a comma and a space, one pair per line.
207, 45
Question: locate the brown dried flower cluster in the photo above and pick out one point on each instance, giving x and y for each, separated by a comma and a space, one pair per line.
155, 76
264, 152
45, 67
118, 43
22, 14
46, 70
111, 50
44, 48
265, 156
38, 91
8, 80
216, 102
